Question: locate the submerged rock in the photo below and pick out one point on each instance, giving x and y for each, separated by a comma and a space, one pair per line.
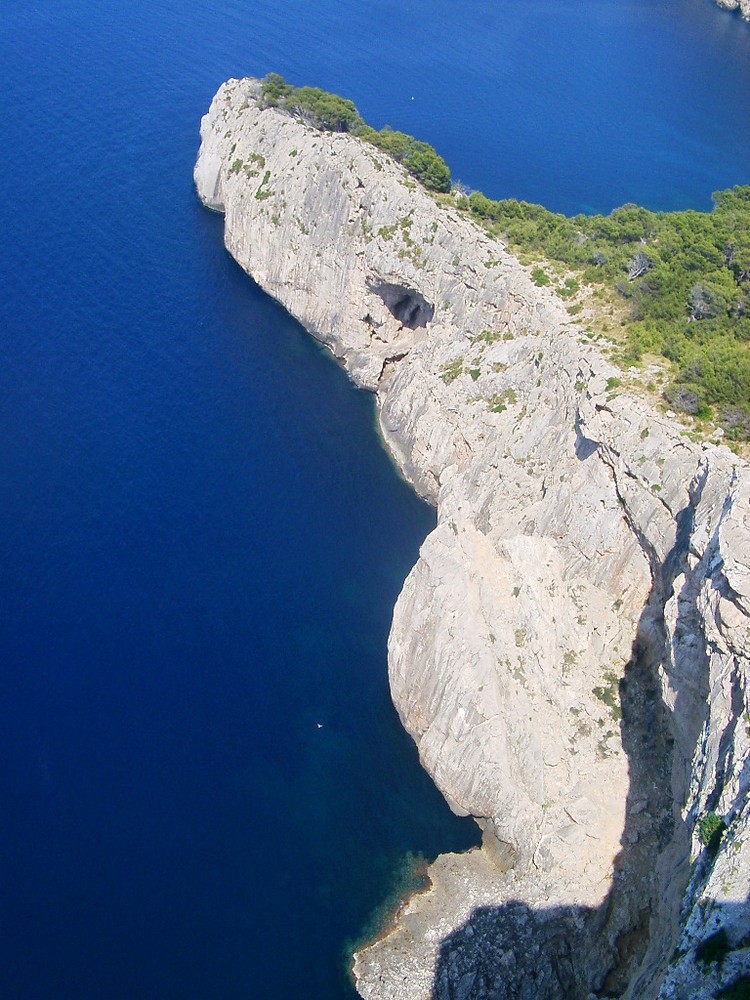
570, 651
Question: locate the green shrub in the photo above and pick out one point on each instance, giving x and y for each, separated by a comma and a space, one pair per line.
486, 336
274, 88
325, 111
710, 831
263, 192
499, 401
610, 695
451, 370
332, 113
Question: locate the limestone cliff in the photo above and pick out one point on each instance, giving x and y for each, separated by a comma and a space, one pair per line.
570, 651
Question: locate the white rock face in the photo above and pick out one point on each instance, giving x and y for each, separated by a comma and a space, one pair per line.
587, 556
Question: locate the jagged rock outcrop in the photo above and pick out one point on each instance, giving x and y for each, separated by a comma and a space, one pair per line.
743, 6
570, 651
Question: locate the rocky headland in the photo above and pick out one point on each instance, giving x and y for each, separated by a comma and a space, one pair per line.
570, 652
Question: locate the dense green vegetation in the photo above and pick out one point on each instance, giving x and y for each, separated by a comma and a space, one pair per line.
683, 277
332, 113
419, 158
323, 110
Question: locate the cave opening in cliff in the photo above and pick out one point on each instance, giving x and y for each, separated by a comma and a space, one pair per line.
408, 306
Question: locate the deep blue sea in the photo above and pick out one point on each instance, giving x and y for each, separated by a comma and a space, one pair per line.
204, 789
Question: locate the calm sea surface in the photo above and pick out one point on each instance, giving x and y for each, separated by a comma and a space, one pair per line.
204, 789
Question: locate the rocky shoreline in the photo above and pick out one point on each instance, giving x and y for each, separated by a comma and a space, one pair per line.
742, 6
570, 652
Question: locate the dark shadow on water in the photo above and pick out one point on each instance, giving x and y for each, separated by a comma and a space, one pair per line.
566, 953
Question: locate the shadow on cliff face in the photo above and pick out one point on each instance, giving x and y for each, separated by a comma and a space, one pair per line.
513, 951
572, 952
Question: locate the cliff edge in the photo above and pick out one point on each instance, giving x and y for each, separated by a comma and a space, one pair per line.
570, 652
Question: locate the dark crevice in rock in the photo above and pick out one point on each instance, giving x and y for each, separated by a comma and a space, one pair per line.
725, 760
585, 447
645, 544
389, 363
685, 521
